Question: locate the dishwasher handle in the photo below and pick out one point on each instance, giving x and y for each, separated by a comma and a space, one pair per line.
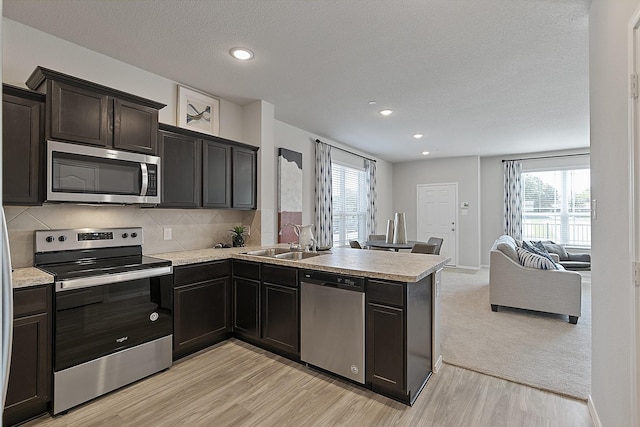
333, 280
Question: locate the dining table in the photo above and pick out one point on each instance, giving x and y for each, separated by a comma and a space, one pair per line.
382, 244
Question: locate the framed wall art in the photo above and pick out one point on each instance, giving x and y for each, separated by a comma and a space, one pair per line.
198, 111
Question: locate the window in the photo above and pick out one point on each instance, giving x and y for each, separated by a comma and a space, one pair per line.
349, 205
556, 205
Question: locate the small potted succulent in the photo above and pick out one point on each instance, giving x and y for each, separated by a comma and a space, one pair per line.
238, 233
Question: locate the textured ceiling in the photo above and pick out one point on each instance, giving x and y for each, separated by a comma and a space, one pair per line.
475, 77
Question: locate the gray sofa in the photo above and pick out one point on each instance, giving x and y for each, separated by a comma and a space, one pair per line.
513, 285
576, 262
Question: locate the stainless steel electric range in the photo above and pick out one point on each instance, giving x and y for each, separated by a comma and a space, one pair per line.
113, 311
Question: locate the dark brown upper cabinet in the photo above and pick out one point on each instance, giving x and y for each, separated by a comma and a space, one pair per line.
88, 113
180, 170
216, 175
22, 146
201, 170
244, 178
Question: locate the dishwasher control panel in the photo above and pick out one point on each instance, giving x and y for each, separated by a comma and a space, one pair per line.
333, 280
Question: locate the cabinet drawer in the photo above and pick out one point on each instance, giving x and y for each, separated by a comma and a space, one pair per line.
280, 275
200, 272
30, 301
249, 270
385, 292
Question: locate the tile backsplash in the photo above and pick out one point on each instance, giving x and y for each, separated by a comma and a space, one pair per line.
190, 228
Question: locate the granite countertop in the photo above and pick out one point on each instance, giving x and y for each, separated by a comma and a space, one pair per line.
387, 265
30, 276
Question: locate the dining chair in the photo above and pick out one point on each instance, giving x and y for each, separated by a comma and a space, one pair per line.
436, 241
377, 237
423, 248
354, 244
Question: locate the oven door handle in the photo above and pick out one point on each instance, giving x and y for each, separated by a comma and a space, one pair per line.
106, 279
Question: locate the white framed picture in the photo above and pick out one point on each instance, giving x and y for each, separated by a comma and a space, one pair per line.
198, 111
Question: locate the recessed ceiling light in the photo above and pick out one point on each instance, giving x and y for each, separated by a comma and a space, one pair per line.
425, 153
418, 135
386, 112
241, 53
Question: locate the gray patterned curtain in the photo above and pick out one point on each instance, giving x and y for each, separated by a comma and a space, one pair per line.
512, 199
370, 173
324, 216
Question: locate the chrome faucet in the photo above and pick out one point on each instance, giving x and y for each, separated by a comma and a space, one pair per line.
296, 229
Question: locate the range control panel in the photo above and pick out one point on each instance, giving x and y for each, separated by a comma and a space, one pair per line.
86, 238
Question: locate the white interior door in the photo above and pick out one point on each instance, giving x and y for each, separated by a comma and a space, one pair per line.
437, 216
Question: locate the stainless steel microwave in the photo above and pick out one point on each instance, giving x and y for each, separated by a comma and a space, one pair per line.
82, 174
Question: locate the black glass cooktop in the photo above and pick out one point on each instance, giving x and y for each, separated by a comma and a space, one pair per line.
99, 266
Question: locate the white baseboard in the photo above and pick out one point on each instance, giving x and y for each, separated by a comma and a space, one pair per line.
461, 267
593, 412
438, 365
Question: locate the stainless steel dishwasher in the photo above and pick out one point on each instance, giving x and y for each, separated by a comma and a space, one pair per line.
332, 323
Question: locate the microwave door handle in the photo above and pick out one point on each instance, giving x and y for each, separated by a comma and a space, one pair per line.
145, 179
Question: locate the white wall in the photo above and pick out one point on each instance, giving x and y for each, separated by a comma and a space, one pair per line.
463, 170
292, 138
492, 190
612, 286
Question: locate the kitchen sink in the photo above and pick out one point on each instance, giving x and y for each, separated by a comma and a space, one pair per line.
271, 252
297, 255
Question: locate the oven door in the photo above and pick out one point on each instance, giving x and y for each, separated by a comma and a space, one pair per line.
95, 321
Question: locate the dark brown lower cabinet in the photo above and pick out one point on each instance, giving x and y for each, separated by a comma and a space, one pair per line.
398, 337
280, 313
29, 390
202, 309
385, 346
246, 308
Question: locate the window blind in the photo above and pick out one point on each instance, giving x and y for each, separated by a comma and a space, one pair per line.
349, 205
557, 206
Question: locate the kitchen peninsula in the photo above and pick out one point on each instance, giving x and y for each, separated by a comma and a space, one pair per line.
401, 306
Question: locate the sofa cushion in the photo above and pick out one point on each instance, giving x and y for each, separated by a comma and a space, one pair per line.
507, 246
556, 249
531, 260
533, 248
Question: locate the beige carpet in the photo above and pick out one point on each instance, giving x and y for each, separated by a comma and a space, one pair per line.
537, 349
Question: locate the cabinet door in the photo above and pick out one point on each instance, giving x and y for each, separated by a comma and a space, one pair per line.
22, 148
135, 127
246, 307
30, 372
180, 170
79, 115
385, 347
244, 178
201, 315
280, 319
216, 175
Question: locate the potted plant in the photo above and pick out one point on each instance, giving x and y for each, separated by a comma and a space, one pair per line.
238, 233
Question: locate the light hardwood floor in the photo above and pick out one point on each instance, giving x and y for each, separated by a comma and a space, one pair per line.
237, 384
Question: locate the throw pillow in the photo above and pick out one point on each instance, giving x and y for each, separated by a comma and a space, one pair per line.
531, 260
556, 249
534, 248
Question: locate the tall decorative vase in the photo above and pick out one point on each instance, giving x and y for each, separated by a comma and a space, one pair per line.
399, 229
389, 235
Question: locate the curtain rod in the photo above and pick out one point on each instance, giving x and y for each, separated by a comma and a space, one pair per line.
548, 157
346, 151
